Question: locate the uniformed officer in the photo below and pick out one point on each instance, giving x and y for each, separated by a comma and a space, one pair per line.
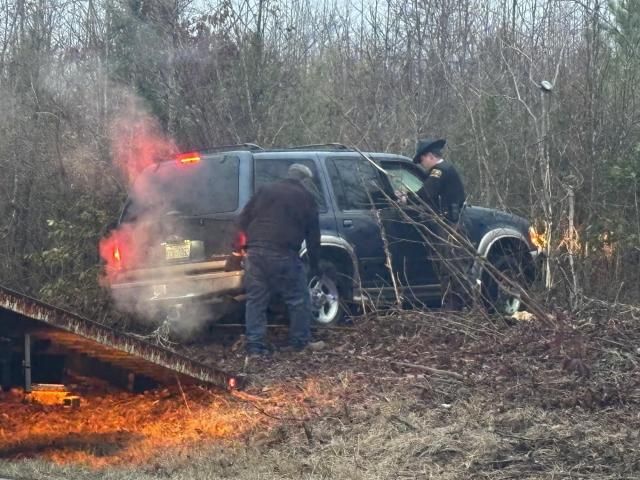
443, 192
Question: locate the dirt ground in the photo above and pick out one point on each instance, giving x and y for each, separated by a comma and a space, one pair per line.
401, 395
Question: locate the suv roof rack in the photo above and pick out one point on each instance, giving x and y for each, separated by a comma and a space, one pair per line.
315, 146
226, 148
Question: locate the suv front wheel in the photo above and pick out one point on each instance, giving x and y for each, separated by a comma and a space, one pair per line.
499, 296
326, 296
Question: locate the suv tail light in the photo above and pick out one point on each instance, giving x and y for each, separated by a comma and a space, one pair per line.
116, 258
240, 242
110, 253
115, 249
187, 158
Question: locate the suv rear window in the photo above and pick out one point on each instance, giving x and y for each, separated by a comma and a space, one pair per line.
207, 187
267, 170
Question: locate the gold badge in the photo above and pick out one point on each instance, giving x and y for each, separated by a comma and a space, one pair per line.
435, 173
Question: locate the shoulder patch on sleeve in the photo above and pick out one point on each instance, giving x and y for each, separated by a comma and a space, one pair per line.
436, 173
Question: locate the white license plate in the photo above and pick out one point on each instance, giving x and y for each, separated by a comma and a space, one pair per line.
176, 251
159, 291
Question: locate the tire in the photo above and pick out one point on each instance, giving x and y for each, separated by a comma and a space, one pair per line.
497, 295
327, 295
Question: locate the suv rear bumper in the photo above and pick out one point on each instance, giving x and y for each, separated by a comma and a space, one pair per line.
172, 285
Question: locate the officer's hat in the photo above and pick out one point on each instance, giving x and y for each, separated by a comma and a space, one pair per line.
428, 145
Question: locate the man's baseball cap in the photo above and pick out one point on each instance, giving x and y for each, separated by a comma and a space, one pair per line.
299, 172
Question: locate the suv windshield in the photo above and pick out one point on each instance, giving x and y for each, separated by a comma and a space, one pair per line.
206, 187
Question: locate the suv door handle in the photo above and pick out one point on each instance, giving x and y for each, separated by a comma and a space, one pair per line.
347, 223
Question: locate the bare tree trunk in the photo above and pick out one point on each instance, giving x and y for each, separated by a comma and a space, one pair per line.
571, 247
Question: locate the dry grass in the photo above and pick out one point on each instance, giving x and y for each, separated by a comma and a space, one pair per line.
531, 402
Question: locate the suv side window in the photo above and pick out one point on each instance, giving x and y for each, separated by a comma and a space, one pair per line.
403, 177
268, 170
355, 182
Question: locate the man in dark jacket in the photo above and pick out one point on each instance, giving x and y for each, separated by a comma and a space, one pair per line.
443, 193
276, 221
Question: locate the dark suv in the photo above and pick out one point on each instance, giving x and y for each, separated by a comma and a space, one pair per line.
180, 216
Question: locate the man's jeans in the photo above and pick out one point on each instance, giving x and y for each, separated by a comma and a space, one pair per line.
269, 272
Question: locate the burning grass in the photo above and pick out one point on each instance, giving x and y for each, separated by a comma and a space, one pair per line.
411, 395
117, 428
114, 427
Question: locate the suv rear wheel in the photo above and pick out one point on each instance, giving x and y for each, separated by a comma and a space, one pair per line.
327, 295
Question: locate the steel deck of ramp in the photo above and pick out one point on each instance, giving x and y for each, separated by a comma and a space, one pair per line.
75, 334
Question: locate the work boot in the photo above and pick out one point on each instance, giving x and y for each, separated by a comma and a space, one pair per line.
316, 346
258, 350
291, 348
313, 346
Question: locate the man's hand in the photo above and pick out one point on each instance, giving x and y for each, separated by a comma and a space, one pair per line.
401, 196
234, 262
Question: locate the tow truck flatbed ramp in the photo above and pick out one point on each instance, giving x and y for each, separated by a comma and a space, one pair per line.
71, 333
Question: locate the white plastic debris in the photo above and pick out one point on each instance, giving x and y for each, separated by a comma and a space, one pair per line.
523, 316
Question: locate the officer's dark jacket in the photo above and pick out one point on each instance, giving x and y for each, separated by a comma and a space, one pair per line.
443, 190
280, 216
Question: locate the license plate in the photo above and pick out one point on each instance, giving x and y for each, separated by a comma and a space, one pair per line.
177, 251
159, 291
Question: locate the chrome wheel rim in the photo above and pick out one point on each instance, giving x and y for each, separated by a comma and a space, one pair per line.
509, 303
325, 300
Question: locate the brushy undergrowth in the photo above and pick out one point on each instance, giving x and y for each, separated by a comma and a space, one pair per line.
400, 395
